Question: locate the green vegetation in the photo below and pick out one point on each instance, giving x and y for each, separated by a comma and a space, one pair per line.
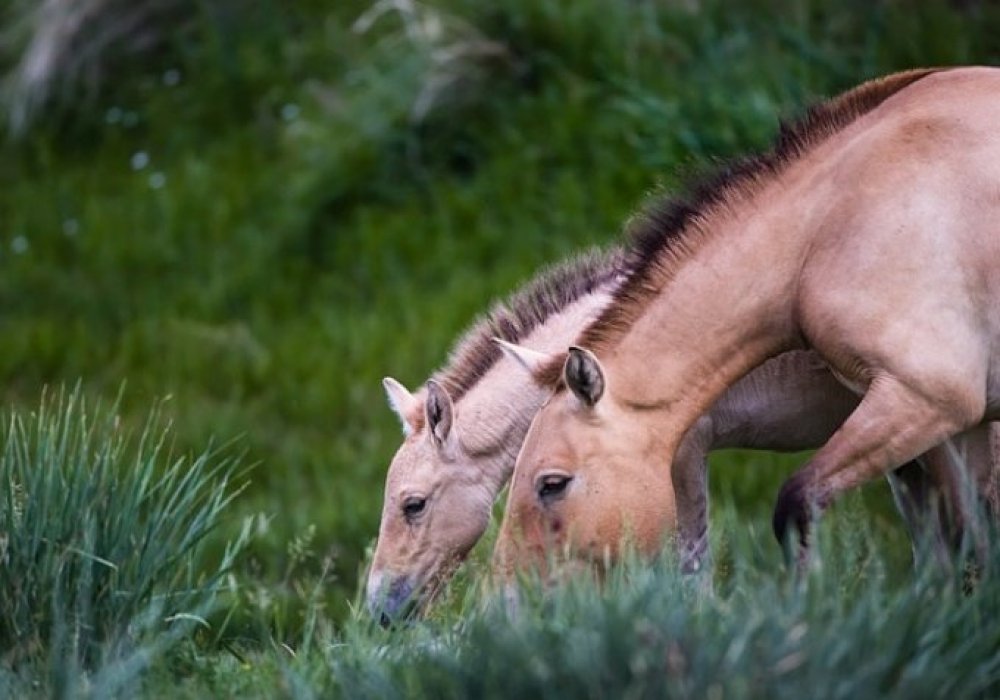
849, 629
99, 541
846, 632
277, 204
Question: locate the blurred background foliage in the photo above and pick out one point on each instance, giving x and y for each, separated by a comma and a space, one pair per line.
259, 208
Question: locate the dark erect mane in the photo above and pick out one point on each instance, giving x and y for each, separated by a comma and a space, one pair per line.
666, 230
513, 319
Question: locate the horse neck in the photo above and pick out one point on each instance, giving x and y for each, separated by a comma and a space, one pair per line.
726, 308
495, 414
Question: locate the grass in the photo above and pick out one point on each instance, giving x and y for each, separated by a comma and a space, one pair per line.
849, 628
281, 205
100, 537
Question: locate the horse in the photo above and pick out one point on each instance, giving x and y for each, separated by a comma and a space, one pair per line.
869, 234
463, 428
792, 403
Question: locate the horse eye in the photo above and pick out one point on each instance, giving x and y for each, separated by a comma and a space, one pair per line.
553, 486
413, 506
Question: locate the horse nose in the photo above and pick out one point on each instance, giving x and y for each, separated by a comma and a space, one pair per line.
389, 599
373, 591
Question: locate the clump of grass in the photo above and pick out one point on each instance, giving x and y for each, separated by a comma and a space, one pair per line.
101, 532
58, 48
457, 54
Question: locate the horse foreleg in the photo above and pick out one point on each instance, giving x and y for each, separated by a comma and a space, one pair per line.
893, 424
689, 472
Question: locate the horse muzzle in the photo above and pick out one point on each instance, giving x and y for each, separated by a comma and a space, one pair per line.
390, 599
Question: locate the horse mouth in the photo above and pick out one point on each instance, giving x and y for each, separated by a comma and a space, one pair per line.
395, 603
404, 600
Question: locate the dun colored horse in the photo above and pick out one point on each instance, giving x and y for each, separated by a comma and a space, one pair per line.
870, 234
463, 429
790, 403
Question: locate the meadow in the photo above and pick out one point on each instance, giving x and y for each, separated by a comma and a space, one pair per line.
242, 215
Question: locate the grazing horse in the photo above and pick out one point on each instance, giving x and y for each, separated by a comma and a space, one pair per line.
463, 429
870, 234
791, 403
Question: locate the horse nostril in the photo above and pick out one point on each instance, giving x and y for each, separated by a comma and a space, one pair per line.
385, 621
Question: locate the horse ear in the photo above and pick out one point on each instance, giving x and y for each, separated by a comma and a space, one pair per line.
583, 375
440, 411
529, 359
405, 404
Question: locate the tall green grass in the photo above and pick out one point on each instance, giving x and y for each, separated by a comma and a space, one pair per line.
647, 634
101, 537
848, 628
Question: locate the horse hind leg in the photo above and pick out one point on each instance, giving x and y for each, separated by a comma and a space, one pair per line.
893, 424
961, 466
919, 498
950, 503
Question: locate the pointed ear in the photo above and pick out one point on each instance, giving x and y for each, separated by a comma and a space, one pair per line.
440, 411
529, 359
405, 404
583, 375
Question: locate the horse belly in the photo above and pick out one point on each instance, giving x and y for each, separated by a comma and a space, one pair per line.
898, 302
